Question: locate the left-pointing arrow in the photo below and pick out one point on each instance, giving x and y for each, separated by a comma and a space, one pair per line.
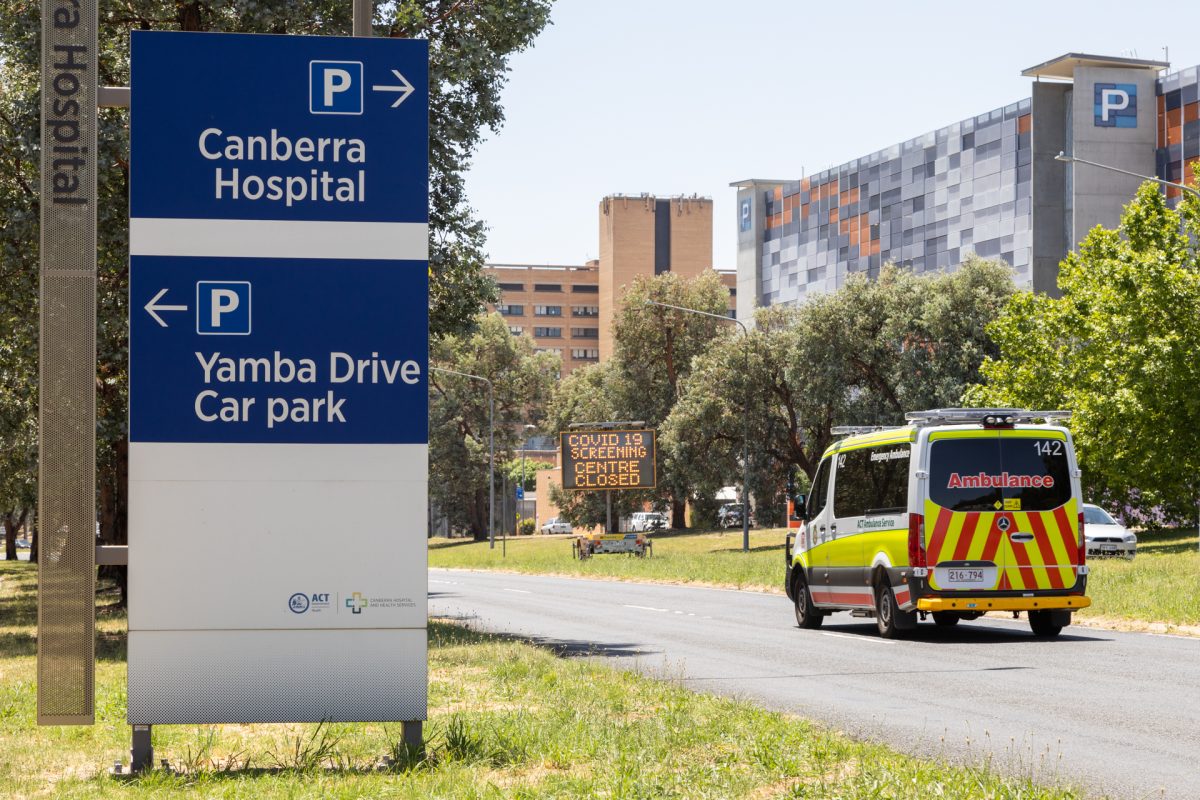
152, 308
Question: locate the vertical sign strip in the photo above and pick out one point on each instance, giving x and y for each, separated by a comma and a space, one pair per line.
67, 399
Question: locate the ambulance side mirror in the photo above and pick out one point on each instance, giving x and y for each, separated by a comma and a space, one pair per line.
800, 507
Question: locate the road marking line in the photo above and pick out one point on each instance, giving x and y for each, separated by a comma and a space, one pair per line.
648, 608
518, 591
447, 583
857, 638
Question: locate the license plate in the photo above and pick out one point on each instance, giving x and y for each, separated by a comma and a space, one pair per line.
1108, 548
965, 577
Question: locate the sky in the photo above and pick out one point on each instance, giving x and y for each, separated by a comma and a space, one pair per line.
684, 97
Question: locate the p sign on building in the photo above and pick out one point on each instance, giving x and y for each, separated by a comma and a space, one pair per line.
278, 401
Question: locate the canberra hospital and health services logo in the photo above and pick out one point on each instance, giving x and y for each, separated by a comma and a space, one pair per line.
357, 601
1116, 105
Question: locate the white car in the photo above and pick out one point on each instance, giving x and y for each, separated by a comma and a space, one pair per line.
556, 525
648, 521
1105, 536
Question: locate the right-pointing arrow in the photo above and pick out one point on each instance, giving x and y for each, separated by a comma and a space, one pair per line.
152, 308
405, 88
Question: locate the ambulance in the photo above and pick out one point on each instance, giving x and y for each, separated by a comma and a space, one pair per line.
960, 512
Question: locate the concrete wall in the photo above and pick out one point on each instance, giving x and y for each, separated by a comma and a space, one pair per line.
1099, 194
1049, 183
749, 250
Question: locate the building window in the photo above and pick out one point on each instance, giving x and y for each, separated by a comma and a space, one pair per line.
585, 288
585, 333
733, 313
548, 311
512, 287
585, 354
554, 333
511, 310
585, 311
515, 330
547, 287
556, 350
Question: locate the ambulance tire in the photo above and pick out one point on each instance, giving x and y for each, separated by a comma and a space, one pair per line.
1045, 624
889, 619
807, 615
945, 619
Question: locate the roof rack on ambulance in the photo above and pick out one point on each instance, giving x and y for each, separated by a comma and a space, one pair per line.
854, 430
985, 416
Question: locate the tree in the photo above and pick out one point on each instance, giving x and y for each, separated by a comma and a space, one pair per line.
1117, 349
863, 355
655, 347
512, 470
594, 393
522, 381
470, 43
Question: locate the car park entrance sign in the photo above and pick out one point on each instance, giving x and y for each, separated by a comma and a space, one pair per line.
278, 454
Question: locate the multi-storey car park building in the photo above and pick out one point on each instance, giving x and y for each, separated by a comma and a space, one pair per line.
570, 309
988, 185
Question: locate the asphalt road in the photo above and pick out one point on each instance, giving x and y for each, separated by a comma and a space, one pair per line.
1115, 713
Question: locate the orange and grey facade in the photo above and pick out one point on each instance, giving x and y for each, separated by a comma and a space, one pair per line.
570, 309
988, 185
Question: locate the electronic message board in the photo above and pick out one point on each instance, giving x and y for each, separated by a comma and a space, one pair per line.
608, 460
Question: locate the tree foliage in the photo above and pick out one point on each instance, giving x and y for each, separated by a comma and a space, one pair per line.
470, 42
865, 354
1118, 348
654, 349
522, 381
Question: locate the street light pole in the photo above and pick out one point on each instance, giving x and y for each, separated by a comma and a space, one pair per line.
491, 450
1073, 160
745, 415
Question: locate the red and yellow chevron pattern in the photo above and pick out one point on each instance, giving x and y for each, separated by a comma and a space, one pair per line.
1049, 561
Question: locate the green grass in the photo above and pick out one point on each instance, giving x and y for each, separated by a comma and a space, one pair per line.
1161, 585
708, 558
507, 720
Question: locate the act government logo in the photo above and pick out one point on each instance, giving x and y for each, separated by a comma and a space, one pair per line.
304, 602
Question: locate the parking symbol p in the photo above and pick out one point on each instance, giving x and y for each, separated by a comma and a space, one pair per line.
335, 87
223, 308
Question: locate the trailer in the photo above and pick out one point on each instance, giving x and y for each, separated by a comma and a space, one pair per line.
637, 544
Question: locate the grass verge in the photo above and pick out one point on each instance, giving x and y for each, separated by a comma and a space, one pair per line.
1159, 586
507, 720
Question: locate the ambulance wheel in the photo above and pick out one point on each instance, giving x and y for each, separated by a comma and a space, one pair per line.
1044, 624
945, 619
891, 621
807, 615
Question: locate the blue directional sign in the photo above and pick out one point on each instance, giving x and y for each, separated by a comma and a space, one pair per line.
520, 492
279, 239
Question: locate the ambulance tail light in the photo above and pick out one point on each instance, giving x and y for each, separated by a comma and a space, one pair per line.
1082, 542
916, 540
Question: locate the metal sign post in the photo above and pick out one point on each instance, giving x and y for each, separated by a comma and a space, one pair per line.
278, 380
67, 366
